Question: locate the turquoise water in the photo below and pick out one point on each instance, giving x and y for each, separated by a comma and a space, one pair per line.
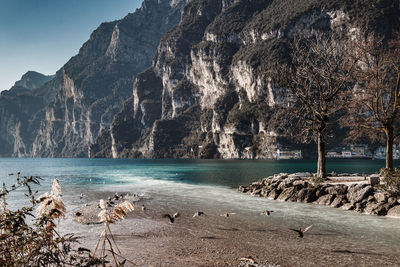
207, 185
229, 173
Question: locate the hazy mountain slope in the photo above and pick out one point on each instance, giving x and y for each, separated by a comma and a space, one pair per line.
28, 81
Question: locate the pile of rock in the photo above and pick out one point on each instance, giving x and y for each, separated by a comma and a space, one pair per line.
361, 197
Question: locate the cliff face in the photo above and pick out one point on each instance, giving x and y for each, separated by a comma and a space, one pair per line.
94, 83
21, 110
207, 93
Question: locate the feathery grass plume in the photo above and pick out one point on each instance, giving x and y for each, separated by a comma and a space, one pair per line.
117, 214
106, 237
51, 205
56, 188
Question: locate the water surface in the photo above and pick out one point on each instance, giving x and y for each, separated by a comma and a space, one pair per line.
210, 185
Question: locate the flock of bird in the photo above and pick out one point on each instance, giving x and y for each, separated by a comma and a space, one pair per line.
300, 232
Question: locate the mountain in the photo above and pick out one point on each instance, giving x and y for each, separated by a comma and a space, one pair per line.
64, 116
207, 92
95, 82
30, 80
21, 112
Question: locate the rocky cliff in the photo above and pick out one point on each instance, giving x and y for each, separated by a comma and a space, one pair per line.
207, 94
62, 117
21, 110
94, 83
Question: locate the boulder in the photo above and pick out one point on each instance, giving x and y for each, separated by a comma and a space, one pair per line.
256, 192
347, 206
287, 193
339, 201
360, 206
325, 200
322, 190
282, 186
306, 195
392, 201
276, 179
394, 212
375, 209
337, 190
274, 193
264, 192
357, 193
301, 183
275, 184
243, 189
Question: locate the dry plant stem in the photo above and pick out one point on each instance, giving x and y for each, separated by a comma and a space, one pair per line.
98, 242
112, 236
102, 253
112, 251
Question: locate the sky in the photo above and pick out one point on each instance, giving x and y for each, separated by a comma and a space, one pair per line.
42, 35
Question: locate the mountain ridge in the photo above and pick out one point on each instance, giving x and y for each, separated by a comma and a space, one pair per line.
207, 94
67, 113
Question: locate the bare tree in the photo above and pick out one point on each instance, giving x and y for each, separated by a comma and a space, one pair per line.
315, 79
374, 111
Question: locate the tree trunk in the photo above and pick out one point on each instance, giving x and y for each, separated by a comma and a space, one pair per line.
389, 147
321, 172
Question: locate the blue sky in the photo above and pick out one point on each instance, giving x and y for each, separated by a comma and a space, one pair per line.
42, 35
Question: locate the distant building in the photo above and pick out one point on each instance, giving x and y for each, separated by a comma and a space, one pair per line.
346, 154
333, 154
353, 151
289, 154
380, 152
359, 149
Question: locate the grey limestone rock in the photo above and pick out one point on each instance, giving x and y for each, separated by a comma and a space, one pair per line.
359, 192
394, 211
306, 195
287, 193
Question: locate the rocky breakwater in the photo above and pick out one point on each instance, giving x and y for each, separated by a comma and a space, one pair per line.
335, 192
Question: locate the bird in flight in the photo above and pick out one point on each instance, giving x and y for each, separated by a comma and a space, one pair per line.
171, 217
266, 212
300, 232
198, 214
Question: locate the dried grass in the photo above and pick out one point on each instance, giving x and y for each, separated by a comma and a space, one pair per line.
106, 237
4, 199
117, 214
51, 204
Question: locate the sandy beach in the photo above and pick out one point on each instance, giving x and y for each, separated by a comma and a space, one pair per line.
147, 239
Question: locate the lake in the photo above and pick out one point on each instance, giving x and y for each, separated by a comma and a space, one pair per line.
207, 184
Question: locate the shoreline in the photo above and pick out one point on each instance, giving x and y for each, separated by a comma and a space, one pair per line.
346, 191
147, 239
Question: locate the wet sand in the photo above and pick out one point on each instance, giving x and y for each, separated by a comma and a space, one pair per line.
147, 239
